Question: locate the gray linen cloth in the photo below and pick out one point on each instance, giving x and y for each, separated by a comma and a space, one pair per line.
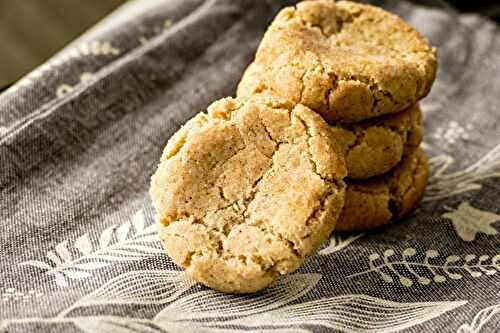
81, 135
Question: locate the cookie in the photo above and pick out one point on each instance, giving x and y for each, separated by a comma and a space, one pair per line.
374, 147
381, 200
347, 61
245, 193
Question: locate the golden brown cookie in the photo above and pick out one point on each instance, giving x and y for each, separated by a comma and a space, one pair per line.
380, 200
374, 147
246, 192
348, 61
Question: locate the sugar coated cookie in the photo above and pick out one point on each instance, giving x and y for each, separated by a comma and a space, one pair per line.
345, 60
374, 147
245, 193
380, 200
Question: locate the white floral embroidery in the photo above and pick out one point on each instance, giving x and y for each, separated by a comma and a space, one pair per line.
140, 287
64, 88
480, 319
338, 242
91, 48
208, 304
12, 294
424, 272
443, 184
156, 30
452, 133
468, 221
133, 240
352, 313
211, 311
94, 48
137, 287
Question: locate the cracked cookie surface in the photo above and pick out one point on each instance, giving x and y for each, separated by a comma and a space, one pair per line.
245, 193
378, 201
374, 147
345, 60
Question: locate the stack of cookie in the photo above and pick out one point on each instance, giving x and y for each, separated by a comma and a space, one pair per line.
324, 135
364, 70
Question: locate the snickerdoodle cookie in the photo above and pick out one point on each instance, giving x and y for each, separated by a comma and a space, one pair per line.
374, 147
245, 193
345, 60
380, 200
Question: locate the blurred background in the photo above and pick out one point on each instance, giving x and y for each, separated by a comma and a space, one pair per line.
33, 30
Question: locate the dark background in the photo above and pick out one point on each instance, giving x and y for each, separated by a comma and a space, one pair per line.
488, 8
31, 31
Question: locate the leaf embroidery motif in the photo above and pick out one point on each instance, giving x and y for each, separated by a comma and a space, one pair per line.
65, 88
167, 24
210, 311
407, 272
55, 259
338, 242
122, 231
480, 319
351, 313
128, 246
15, 295
216, 305
83, 244
468, 221
38, 264
62, 251
443, 185
106, 235
94, 48
141, 287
